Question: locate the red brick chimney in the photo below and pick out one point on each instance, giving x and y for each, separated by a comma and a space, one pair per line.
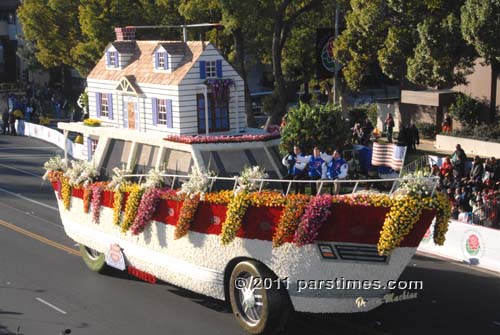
125, 33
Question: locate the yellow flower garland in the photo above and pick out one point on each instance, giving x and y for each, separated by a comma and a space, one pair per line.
236, 210
133, 201
290, 217
65, 192
117, 205
443, 216
399, 222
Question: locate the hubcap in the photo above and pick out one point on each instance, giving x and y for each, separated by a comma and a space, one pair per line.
249, 300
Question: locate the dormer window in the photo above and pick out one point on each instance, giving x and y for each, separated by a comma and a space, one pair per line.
112, 59
161, 60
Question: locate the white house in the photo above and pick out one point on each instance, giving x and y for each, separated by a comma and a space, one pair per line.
161, 86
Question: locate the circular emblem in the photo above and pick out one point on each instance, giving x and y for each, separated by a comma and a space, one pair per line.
428, 235
171, 212
215, 220
473, 244
265, 225
327, 58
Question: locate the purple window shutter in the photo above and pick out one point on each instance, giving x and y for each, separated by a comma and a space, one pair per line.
108, 58
218, 67
156, 59
203, 74
154, 103
165, 61
110, 106
170, 123
98, 104
116, 58
89, 149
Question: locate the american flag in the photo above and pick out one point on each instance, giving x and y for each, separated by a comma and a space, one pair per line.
388, 155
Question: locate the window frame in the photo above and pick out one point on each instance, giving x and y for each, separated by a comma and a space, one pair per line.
104, 103
161, 109
210, 69
216, 114
113, 59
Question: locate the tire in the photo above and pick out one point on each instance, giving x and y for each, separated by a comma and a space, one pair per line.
258, 310
94, 259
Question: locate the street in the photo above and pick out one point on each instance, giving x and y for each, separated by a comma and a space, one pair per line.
45, 287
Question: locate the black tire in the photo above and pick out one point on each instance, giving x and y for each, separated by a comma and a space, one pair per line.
94, 259
258, 310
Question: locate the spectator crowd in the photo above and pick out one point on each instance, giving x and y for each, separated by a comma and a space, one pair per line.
473, 190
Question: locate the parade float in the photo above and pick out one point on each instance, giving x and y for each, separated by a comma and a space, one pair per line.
176, 187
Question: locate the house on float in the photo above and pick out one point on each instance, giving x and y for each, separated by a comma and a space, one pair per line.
161, 86
154, 97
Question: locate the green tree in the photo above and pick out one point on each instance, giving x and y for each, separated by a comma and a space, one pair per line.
317, 125
466, 109
481, 28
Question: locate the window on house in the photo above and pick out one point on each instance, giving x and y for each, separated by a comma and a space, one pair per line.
162, 111
218, 117
211, 69
161, 60
104, 105
113, 62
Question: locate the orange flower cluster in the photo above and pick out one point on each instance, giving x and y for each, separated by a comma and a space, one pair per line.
53, 176
267, 199
87, 195
219, 198
186, 216
289, 220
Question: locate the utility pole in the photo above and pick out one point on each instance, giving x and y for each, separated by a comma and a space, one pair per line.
336, 66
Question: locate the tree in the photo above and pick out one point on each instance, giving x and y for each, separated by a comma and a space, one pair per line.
481, 28
317, 125
415, 40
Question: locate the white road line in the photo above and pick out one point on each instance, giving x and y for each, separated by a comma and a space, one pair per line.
29, 199
50, 305
24, 156
496, 323
21, 148
22, 171
32, 215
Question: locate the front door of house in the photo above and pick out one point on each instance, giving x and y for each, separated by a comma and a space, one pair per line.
131, 114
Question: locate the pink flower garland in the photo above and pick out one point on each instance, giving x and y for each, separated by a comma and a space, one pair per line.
97, 190
147, 208
222, 138
315, 215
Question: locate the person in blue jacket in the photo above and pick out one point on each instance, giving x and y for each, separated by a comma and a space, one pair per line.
296, 164
315, 168
336, 169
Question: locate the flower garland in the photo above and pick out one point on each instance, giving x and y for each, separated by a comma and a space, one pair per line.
290, 218
267, 199
399, 222
133, 201
65, 192
186, 216
219, 198
223, 138
315, 215
236, 210
87, 196
364, 199
220, 90
97, 190
443, 216
146, 210
118, 205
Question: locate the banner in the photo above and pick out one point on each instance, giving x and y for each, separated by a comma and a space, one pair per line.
390, 155
468, 243
325, 62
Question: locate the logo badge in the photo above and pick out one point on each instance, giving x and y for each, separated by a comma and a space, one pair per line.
473, 244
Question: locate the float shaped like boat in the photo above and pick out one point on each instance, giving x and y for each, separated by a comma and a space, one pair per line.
178, 106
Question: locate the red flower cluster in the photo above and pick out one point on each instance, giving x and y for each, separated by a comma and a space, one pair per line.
143, 275
222, 138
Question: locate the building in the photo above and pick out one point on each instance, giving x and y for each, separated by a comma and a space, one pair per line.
9, 28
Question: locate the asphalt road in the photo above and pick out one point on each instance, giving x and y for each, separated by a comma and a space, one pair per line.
45, 287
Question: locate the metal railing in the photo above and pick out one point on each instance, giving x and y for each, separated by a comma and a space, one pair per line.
488, 214
379, 185
416, 165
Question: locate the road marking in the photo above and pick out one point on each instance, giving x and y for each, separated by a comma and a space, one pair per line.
22, 171
39, 238
496, 323
24, 156
50, 305
21, 148
32, 215
17, 195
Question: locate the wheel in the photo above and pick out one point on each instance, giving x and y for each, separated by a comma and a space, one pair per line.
258, 308
93, 259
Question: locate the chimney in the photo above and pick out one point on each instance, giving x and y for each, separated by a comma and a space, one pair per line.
125, 33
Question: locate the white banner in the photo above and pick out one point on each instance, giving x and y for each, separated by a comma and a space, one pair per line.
50, 135
472, 244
